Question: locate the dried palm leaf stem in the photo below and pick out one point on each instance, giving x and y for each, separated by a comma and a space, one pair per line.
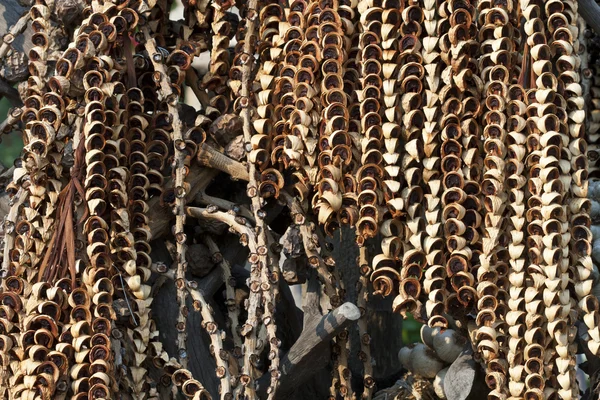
248, 237
13, 118
233, 310
10, 224
166, 94
183, 377
220, 354
259, 260
329, 278
364, 354
310, 241
15, 30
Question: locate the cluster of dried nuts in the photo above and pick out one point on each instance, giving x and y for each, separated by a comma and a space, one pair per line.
431, 358
434, 125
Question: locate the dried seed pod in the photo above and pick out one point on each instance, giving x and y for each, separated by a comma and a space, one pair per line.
448, 344
424, 361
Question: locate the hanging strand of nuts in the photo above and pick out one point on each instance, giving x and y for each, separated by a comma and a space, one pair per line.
516, 181
214, 80
554, 167
385, 272
304, 53
390, 31
496, 64
471, 88
136, 255
588, 305
370, 174
350, 20
539, 98
410, 75
434, 283
96, 274
454, 36
335, 154
575, 239
42, 117
287, 152
38, 55
263, 142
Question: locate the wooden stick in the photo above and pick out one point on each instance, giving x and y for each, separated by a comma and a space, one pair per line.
590, 11
237, 224
10, 93
314, 258
365, 346
9, 229
210, 157
233, 311
193, 81
207, 200
13, 32
14, 116
310, 352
